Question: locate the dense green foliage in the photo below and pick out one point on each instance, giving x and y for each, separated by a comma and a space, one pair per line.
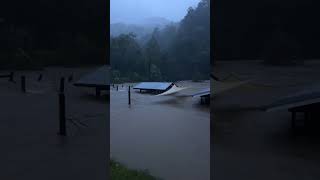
249, 29
54, 32
120, 172
176, 52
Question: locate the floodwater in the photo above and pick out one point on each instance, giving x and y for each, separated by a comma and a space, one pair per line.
31, 148
263, 141
167, 135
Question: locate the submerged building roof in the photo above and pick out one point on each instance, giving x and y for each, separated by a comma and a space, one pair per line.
99, 78
204, 92
153, 85
304, 97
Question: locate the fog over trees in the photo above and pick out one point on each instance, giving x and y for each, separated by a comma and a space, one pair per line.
176, 51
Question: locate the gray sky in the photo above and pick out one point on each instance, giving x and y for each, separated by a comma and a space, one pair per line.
132, 11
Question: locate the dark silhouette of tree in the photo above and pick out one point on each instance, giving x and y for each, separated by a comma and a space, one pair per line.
153, 54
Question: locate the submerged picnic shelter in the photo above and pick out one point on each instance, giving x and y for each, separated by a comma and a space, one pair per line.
99, 79
305, 102
154, 87
204, 95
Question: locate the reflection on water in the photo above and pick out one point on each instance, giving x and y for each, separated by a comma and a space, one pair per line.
167, 135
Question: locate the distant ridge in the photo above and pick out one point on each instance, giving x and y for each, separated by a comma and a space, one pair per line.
142, 28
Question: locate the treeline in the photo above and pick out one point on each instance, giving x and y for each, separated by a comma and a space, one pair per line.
268, 29
56, 32
176, 52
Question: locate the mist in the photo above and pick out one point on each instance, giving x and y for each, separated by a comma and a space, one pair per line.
136, 11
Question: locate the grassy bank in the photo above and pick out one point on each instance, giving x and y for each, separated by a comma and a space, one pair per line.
120, 172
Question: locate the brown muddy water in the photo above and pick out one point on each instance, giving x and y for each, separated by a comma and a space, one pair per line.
249, 143
167, 135
31, 148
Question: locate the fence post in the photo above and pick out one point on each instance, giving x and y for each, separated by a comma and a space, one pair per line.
62, 114
62, 85
40, 77
70, 78
129, 96
23, 84
98, 92
11, 76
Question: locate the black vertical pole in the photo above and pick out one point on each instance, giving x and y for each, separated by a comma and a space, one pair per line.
11, 77
117, 88
62, 114
70, 78
62, 85
293, 120
40, 77
98, 92
129, 96
23, 84
306, 118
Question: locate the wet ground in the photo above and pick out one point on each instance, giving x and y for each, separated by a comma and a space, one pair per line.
168, 135
252, 144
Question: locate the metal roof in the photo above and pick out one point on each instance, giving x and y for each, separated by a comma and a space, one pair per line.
304, 97
204, 92
99, 78
153, 85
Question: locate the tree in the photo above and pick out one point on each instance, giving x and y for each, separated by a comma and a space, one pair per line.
281, 49
152, 52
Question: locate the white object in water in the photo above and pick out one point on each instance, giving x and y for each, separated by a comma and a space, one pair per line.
174, 89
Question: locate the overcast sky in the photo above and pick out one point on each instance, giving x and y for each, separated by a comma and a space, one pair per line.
132, 11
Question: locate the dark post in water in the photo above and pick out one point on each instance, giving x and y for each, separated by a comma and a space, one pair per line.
62, 114
98, 92
23, 84
40, 77
129, 96
70, 78
11, 77
62, 85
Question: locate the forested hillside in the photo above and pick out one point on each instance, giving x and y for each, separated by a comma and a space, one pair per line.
53, 32
141, 29
176, 52
269, 28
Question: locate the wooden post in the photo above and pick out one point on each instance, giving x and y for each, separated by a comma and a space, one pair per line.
23, 84
40, 77
306, 118
293, 120
62, 115
11, 77
117, 88
129, 96
62, 85
98, 92
70, 78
